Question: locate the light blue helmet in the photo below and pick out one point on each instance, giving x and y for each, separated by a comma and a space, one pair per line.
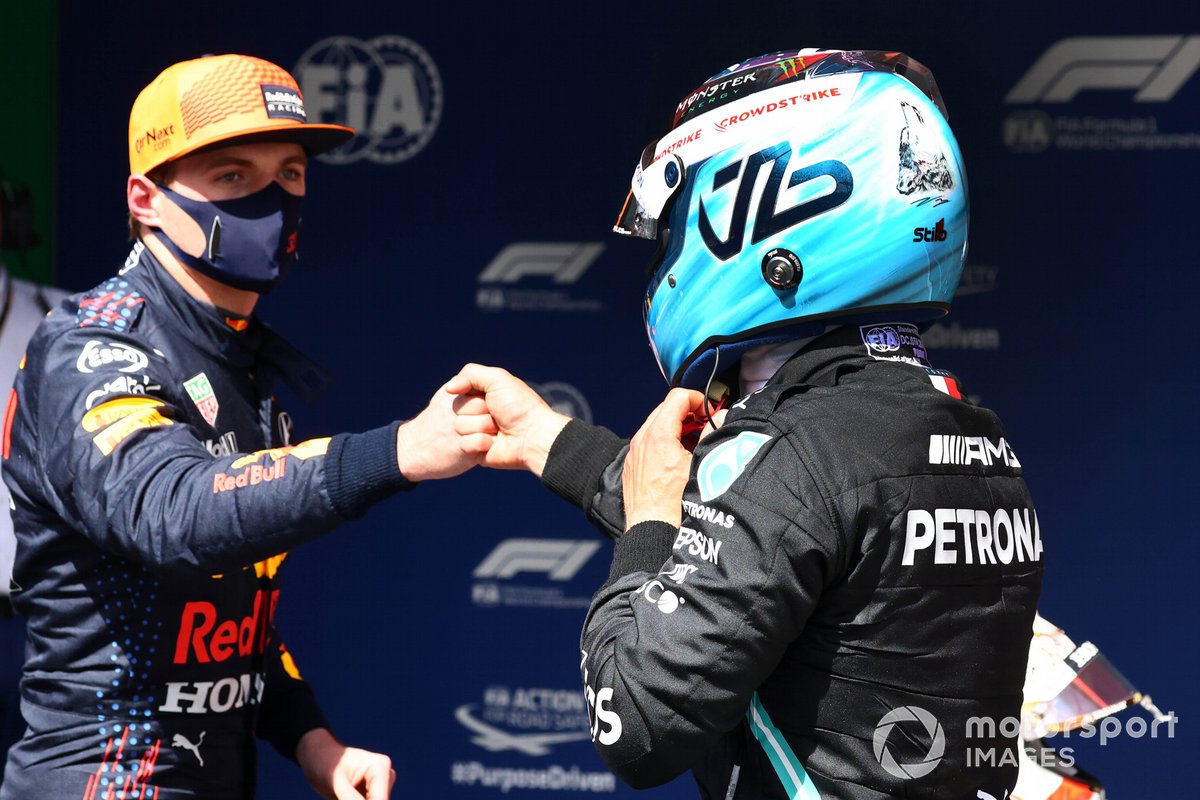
794, 191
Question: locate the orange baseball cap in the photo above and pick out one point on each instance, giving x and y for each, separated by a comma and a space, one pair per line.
217, 99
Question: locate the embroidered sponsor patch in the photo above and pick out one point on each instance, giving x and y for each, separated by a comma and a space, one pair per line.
122, 384
726, 463
107, 413
283, 102
113, 305
117, 432
98, 355
303, 451
201, 392
946, 384
895, 341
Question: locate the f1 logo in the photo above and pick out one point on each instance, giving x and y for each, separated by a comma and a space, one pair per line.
565, 262
558, 558
1155, 66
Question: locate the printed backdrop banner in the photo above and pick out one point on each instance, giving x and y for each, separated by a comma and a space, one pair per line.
470, 221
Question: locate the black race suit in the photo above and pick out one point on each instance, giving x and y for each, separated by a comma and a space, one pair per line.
855, 579
155, 492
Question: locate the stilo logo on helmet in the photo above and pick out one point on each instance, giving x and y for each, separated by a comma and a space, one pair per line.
789, 200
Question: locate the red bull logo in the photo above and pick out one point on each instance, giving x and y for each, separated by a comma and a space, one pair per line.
250, 476
206, 639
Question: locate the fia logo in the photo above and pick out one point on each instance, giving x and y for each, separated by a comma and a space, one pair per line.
387, 88
1028, 131
768, 221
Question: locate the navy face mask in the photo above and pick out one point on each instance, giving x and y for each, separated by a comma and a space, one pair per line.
249, 243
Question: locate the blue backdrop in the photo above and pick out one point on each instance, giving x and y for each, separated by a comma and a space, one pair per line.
471, 221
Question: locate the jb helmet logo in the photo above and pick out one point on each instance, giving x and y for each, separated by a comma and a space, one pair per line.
767, 221
726, 463
387, 88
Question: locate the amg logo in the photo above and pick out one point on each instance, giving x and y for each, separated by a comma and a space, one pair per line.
967, 450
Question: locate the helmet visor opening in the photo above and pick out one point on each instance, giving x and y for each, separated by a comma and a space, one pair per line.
654, 184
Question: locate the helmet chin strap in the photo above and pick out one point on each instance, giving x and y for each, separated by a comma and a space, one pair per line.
714, 389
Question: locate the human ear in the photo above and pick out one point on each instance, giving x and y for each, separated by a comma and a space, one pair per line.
139, 196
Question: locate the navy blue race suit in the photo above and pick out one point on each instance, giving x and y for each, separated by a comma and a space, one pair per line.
155, 492
854, 582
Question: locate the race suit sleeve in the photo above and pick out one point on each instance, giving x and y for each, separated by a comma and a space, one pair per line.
692, 621
584, 468
289, 706
135, 478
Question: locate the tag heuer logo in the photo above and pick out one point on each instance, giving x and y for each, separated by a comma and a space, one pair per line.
200, 390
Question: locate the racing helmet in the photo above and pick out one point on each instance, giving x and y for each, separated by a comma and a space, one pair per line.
793, 191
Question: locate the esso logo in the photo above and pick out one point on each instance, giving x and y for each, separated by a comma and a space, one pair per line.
97, 355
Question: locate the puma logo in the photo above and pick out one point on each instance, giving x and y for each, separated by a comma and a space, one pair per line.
179, 740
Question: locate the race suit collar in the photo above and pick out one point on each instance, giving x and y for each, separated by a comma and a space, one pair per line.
825, 358
241, 341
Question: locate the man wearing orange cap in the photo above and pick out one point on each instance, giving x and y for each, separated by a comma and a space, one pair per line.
154, 482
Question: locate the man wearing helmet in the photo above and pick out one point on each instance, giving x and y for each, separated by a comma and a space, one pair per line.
849, 583
155, 486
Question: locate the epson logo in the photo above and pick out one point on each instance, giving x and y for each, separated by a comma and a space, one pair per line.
560, 559
1155, 68
967, 450
697, 544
